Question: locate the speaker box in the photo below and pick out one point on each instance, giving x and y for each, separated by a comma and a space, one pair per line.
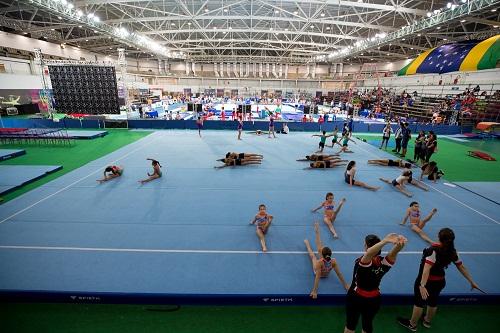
190, 107
240, 108
248, 108
307, 109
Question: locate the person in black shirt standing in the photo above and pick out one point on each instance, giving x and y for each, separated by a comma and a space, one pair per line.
431, 278
363, 297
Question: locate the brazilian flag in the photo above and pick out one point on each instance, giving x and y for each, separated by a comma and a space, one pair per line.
464, 56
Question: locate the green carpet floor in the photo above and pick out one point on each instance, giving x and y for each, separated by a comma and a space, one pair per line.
81, 153
453, 159
74, 318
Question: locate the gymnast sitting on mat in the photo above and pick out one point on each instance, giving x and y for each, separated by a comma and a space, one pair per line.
400, 181
396, 163
328, 164
350, 173
322, 266
413, 213
316, 157
111, 172
234, 155
230, 162
263, 220
156, 171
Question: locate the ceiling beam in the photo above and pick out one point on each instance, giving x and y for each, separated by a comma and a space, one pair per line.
342, 3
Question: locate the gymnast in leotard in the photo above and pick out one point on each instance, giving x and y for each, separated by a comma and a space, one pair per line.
349, 175
156, 171
416, 224
244, 156
391, 163
345, 144
231, 162
329, 211
316, 157
263, 220
328, 164
324, 265
111, 172
240, 128
400, 181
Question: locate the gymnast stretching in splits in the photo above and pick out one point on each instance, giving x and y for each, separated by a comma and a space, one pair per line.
329, 211
111, 172
324, 265
263, 220
416, 224
315, 157
156, 171
400, 181
328, 164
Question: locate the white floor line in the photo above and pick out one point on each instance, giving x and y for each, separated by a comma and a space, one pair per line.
74, 183
445, 194
105, 249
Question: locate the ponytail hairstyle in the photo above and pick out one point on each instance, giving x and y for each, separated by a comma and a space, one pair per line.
326, 252
446, 252
350, 165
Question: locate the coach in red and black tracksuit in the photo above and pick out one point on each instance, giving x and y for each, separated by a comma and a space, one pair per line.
363, 297
431, 278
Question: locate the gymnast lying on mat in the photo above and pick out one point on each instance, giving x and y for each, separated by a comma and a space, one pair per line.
317, 157
230, 162
234, 155
396, 163
325, 164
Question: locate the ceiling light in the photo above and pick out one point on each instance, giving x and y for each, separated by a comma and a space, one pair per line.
172, 23
71, 6
53, 29
438, 28
327, 28
189, 23
462, 21
286, 29
493, 10
295, 12
86, 40
206, 10
464, 1
360, 1
225, 10
362, 54
403, 39
429, 14
79, 26
96, 18
437, 11
418, 35
411, 48
312, 26
443, 39
90, 15
448, 5
453, 7
371, 59
25, 33
322, 14
59, 17
230, 28
215, 28
495, 26
79, 13
276, 11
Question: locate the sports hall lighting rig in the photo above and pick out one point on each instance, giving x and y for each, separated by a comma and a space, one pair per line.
67, 11
436, 18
